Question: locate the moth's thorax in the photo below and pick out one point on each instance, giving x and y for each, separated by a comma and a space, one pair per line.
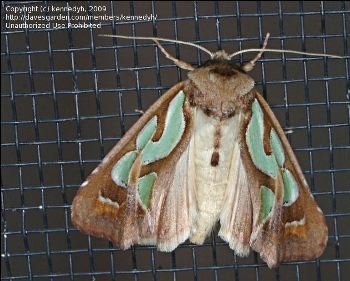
219, 87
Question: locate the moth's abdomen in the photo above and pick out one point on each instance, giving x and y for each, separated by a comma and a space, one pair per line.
213, 140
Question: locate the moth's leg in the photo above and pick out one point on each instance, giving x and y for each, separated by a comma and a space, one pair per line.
179, 63
250, 65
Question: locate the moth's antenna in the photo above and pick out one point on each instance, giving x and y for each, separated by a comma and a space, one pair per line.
179, 63
161, 39
250, 65
247, 67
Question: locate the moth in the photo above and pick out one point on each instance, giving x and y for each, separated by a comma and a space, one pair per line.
209, 150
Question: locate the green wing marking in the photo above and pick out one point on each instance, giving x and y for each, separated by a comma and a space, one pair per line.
267, 202
144, 188
151, 151
255, 141
121, 170
173, 131
146, 133
270, 165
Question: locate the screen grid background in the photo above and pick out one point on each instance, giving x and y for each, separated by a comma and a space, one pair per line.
69, 95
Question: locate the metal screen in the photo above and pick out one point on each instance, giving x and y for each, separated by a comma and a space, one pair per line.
68, 95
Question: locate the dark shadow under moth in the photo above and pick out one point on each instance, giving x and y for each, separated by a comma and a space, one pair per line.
210, 149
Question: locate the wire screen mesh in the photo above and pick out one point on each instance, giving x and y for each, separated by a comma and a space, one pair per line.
68, 95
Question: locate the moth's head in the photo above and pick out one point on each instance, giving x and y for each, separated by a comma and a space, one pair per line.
220, 55
218, 87
220, 76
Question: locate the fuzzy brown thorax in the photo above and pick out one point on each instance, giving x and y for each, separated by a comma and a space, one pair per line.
219, 87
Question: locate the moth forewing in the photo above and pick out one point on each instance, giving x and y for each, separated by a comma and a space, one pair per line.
302, 228
95, 208
210, 149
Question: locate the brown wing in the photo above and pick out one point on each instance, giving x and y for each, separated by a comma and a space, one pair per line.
287, 222
136, 209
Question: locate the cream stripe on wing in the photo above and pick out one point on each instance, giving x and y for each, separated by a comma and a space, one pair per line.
236, 215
